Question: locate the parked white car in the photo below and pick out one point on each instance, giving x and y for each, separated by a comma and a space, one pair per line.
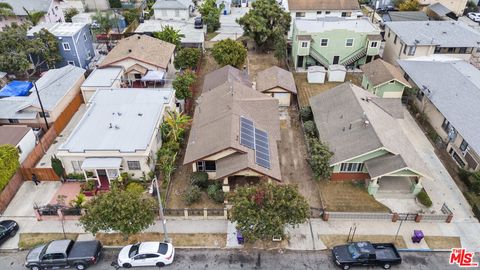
146, 254
475, 16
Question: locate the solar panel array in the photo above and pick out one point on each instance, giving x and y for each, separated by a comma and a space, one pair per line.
257, 140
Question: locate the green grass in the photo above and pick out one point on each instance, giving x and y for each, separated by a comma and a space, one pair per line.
31, 240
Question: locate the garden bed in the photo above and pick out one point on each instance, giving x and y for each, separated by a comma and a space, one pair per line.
30, 240
217, 240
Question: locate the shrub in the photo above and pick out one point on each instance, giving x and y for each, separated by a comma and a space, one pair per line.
310, 128
187, 58
8, 163
229, 52
306, 113
199, 179
77, 176
216, 193
135, 188
424, 199
78, 201
89, 185
192, 195
319, 159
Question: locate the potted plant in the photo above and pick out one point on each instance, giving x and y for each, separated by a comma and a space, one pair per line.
89, 188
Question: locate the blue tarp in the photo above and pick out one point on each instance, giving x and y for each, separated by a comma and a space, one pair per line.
15, 89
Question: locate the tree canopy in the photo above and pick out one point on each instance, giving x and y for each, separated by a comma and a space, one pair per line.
265, 23
407, 5
320, 159
119, 210
229, 52
6, 10
105, 21
8, 163
69, 13
182, 84
262, 211
211, 14
170, 35
187, 58
34, 16
131, 15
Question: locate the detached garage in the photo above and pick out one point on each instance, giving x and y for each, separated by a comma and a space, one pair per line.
278, 83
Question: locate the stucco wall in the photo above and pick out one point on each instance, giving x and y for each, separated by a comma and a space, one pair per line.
170, 14
26, 145
457, 6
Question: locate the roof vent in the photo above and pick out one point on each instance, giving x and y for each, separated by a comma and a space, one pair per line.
366, 123
139, 36
117, 127
119, 113
428, 23
129, 50
444, 32
140, 114
110, 125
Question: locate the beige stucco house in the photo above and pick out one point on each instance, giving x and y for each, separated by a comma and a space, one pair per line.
456, 6
278, 83
102, 78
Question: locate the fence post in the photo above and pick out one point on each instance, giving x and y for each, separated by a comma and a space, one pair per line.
325, 216
185, 213
418, 218
205, 214
395, 217
37, 215
225, 213
449, 218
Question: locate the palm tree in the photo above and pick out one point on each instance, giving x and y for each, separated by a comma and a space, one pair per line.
174, 125
6, 10
169, 34
105, 21
35, 16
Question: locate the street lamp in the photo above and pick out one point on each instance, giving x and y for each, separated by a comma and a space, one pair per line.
160, 210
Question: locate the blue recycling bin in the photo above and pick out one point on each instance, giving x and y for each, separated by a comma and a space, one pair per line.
240, 239
417, 236
224, 12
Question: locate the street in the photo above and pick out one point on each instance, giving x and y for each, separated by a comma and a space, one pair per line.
218, 259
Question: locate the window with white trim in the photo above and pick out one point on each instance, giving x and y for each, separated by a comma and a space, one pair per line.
19, 149
349, 42
351, 167
66, 46
463, 145
299, 14
324, 42
373, 44
71, 63
46, 114
206, 166
304, 44
77, 166
133, 165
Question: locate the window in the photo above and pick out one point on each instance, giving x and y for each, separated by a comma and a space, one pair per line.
451, 50
299, 14
71, 63
66, 46
13, 121
351, 167
437, 49
324, 42
373, 44
463, 145
133, 165
327, 12
138, 76
151, 256
395, 40
404, 49
446, 125
89, 55
140, 257
177, 13
206, 166
349, 42
319, 13
41, 114
77, 165
410, 50
19, 149
304, 44
462, 50
346, 14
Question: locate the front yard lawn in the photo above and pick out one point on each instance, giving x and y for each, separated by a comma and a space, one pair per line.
443, 242
217, 240
30, 240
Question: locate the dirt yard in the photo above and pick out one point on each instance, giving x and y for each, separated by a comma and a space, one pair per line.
217, 240
332, 240
348, 197
307, 90
30, 240
443, 242
293, 158
258, 61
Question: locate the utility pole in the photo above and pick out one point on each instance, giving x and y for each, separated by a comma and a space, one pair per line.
374, 9
160, 210
41, 106
400, 225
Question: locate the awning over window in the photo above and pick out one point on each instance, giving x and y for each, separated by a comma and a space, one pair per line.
101, 163
153, 75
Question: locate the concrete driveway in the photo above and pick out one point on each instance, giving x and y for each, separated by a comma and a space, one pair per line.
228, 27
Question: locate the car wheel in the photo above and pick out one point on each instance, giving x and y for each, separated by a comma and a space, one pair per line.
386, 266
346, 267
126, 265
160, 264
12, 233
35, 267
80, 266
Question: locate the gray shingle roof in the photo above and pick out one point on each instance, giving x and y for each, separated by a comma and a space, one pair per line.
223, 75
172, 4
397, 16
379, 72
30, 5
341, 114
442, 33
455, 91
275, 77
439, 9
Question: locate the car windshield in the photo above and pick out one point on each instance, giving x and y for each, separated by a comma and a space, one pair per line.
2, 229
163, 248
133, 250
353, 251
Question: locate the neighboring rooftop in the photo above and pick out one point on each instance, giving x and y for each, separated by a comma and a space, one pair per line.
172, 4
12, 134
142, 48
379, 72
439, 9
216, 127
191, 35
441, 33
399, 16
276, 77
454, 89
352, 123
330, 5
223, 75
30, 5
103, 77
120, 119
58, 29
333, 23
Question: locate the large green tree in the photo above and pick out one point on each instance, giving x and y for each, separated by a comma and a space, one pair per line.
34, 17
264, 22
131, 15
211, 14
119, 210
6, 10
69, 13
229, 52
105, 20
8, 163
174, 126
44, 50
182, 84
320, 159
187, 58
262, 212
170, 35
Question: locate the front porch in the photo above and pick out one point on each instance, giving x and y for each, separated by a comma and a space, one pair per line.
101, 170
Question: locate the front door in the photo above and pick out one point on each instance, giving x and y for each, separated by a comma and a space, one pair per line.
101, 173
300, 61
336, 59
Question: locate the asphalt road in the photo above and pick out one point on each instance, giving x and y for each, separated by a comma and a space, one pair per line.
241, 259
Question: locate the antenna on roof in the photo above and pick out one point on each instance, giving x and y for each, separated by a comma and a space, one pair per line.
117, 127
110, 126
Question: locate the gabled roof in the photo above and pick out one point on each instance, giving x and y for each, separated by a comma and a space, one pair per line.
223, 75
30, 5
398, 16
454, 88
352, 124
172, 4
216, 127
442, 33
275, 77
379, 72
141, 48
323, 5
13, 134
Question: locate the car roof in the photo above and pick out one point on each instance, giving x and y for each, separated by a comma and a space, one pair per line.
148, 247
58, 246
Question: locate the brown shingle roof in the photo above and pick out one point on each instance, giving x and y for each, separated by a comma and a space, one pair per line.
12, 134
379, 72
275, 77
216, 127
142, 48
223, 75
323, 5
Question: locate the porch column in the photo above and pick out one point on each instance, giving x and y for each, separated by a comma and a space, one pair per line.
98, 178
417, 187
85, 174
226, 186
373, 186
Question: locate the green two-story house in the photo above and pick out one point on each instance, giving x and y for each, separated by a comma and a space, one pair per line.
331, 41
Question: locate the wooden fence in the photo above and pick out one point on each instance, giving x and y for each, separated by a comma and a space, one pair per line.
43, 174
10, 190
67, 114
40, 149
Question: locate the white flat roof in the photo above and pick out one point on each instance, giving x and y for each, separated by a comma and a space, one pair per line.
102, 77
186, 28
104, 163
121, 120
58, 29
332, 23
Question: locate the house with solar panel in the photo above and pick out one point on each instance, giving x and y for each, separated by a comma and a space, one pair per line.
234, 135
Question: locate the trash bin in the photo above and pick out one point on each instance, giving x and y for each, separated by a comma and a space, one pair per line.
417, 236
224, 12
240, 239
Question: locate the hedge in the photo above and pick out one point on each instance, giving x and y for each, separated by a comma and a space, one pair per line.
424, 199
8, 163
